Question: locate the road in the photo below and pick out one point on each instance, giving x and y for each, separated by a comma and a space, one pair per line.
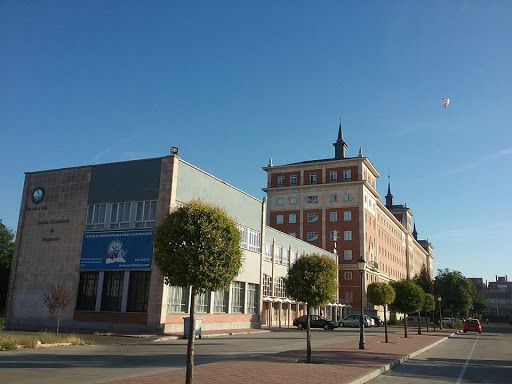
464, 358
117, 358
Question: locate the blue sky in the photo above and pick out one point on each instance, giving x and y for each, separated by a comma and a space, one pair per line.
233, 83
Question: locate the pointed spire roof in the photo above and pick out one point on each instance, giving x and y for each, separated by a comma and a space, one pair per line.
270, 162
360, 151
389, 197
415, 232
340, 146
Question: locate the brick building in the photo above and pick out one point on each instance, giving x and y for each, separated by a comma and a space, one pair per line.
333, 203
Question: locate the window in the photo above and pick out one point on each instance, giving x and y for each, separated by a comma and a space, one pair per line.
146, 214
120, 215
333, 216
292, 218
347, 275
347, 215
279, 219
138, 291
312, 199
333, 198
347, 175
286, 256
112, 291
312, 178
312, 217
280, 181
280, 288
87, 289
280, 201
237, 297
347, 254
177, 299
293, 234
347, 235
203, 302
333, 177
268, 252
293, 180
252, 298
312, 236
279, 255
220, 301
249, 238
333, 235
348, 297
292, 200
95, 217
347, 197
267, 285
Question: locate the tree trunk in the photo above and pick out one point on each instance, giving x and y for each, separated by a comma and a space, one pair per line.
308, 337
58, 324
191, 338
385, 325
419, 322
405, 325
428, 319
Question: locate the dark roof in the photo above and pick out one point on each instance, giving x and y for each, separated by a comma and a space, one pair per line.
318, 161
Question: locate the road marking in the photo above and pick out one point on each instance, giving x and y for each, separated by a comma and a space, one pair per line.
467, 361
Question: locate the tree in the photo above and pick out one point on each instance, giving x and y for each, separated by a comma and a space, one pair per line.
198, 246
409, 298
381, 294
456, 291
429, 305
312, 280
480, 306
6, 255
57, 300
424, 281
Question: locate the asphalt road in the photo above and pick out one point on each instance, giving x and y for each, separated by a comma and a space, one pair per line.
464, 358
115, 358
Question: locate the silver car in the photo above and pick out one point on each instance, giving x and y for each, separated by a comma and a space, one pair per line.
352, 321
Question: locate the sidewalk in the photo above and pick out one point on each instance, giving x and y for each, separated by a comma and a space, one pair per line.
335, 363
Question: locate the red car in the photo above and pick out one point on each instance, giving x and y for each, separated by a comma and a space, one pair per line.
472, 325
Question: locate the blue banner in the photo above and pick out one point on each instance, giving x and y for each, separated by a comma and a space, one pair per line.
117, 250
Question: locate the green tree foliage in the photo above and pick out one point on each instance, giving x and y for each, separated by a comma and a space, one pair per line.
57, 300
429, 305
456, 291
312, 280
381, 294
409, 298
480, 306
198, 246
6, 247
6, 255
424, 281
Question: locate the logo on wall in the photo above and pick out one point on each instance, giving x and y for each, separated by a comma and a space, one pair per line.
115, 252
38, 195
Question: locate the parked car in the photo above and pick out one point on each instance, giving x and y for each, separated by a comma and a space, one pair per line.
315, 322
472, 325
447, 321
370, 321
378, 321
352, 321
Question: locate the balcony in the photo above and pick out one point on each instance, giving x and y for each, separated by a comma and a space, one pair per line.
373, 265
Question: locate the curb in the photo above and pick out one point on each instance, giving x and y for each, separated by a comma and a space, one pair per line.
165, 338
395, 363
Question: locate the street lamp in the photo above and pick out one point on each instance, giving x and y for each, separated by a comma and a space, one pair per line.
440, 313
361, 264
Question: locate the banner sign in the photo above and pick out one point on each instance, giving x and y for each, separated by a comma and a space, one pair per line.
117, 250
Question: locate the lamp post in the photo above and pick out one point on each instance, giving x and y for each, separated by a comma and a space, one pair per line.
440, 314
361, 264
